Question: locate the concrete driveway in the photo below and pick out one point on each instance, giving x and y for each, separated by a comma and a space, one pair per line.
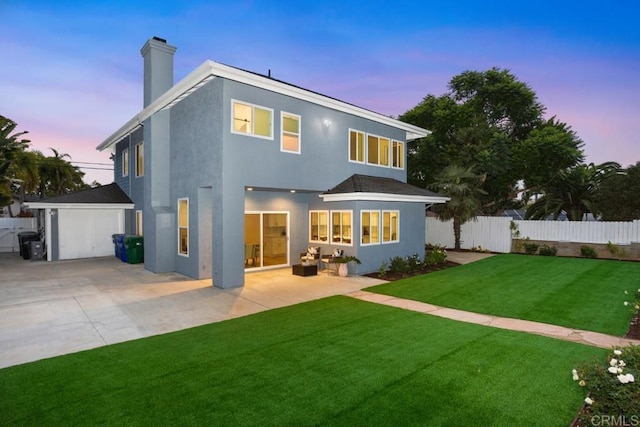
53, 308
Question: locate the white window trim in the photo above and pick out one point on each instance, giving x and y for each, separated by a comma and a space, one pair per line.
341, 243
403, 154
139, 152
252, 133
364, 154
328, 241
397, 239
179, 227
125, 162
282, 132
370, 211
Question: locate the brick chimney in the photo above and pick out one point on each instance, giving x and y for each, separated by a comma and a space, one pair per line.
158, 68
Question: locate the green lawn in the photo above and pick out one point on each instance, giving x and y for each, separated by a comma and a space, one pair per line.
335, 361
578, 293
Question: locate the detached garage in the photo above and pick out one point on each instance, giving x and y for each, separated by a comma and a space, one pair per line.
80, 224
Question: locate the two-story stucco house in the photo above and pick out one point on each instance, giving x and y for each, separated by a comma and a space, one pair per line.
232, 171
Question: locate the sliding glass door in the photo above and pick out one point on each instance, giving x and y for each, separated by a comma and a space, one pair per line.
266, 239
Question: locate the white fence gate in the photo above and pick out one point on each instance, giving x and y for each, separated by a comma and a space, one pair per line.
494, 234
9, 229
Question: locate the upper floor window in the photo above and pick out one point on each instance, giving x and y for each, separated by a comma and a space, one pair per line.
356, 146
318, 226
341, 227
290, 138
390, 226
125, 162
377, 150
140, 159
252, 119
183, 227
370, 224
397, 154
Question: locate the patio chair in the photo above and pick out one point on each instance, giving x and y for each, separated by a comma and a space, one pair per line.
311, 256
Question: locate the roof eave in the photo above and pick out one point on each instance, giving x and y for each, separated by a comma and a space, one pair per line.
209, 69
382, 197
41, 205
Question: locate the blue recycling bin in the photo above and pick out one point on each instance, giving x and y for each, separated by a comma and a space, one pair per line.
120, 250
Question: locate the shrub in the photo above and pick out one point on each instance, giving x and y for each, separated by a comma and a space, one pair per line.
588, 251
414, 262
616, 250
398, 264
612, 387
382, 270
547, 250
531, 248
436, 256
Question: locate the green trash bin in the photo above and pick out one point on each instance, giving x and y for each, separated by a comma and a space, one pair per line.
134, 247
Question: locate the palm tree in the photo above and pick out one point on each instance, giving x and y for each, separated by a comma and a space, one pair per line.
572, 191
10, 146
463, 186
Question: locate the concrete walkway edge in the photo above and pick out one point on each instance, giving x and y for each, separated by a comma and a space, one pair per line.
567, 334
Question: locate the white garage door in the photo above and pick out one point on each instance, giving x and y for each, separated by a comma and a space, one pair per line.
86, 233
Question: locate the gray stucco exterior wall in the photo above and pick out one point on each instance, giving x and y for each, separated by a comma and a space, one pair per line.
191, 153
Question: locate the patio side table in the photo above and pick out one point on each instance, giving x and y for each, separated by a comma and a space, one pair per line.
305, 270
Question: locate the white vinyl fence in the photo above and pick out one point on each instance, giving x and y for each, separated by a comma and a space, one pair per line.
494, 234
9, 229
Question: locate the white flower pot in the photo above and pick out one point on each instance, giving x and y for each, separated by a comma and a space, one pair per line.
343, 270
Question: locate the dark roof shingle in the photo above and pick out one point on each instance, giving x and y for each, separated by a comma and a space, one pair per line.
375, 184
111, 193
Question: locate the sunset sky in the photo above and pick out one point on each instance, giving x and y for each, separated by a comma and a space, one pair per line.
71, 71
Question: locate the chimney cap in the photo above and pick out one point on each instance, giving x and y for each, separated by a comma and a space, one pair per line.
159, 39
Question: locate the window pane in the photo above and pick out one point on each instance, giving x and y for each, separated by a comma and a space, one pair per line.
139, 159
241, 118
336, 224
384, 151
346, 227
290, 124
386, 226
361, 147
183, 213
290, 143
375, 221
183, 247
353, 145
322, 226
262, 124
125, 162
365, 219
398, 154
372, 149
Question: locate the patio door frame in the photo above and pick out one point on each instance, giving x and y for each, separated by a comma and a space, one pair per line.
287, 237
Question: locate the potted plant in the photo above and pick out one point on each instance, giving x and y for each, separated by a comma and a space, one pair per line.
343, 269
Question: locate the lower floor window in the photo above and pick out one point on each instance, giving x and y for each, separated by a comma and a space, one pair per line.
183, 227
390, 226
341, 227
139, 223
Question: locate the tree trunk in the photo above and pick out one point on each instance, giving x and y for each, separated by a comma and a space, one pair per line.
456, 232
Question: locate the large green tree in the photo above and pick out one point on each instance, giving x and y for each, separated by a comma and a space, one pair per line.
464, 187
572, 191
617, 198
492, 121
11, 145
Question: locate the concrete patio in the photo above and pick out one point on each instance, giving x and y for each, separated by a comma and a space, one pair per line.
53, 308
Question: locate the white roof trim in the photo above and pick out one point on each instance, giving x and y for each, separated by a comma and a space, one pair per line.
382, 197
41, 205
209, 70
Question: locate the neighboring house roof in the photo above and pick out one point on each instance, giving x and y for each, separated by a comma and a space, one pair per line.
210, 70
106, 196
365, 187
520, 213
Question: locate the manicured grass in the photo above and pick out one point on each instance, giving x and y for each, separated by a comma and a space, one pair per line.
578, 293
336, 361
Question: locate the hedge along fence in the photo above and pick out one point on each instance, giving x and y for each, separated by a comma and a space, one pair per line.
494, 234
